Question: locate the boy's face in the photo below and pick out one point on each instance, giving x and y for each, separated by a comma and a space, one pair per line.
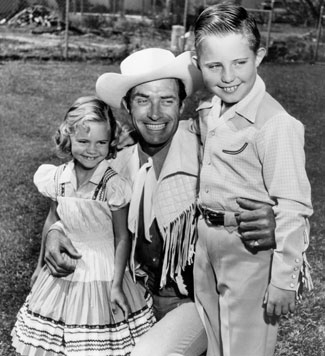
228, 66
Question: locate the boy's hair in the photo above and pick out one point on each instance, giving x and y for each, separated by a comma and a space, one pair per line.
225, 18
86, 109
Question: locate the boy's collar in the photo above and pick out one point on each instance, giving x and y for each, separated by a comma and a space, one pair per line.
247, 107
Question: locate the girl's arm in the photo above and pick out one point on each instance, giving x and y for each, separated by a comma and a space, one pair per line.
122, 253
51, 218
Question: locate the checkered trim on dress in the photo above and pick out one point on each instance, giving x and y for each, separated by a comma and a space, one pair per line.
99, 193
60, 187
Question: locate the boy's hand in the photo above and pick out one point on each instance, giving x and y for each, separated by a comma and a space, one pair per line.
279, 301
256, 224
118, 300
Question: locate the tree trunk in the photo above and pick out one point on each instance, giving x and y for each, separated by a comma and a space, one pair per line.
168, 5
61, 8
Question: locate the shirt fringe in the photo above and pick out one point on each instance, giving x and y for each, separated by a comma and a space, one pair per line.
179, 241
305, 280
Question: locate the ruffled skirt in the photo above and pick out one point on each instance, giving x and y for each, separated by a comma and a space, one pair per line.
72, 316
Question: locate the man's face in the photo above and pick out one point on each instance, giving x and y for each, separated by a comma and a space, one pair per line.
155, 111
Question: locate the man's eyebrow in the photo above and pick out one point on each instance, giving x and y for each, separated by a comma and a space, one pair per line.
164, 97
168, 97
140, 94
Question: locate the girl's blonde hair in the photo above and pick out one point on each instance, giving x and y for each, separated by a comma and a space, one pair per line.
83, 110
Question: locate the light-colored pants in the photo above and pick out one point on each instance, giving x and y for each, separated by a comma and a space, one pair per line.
230, 284
180, 331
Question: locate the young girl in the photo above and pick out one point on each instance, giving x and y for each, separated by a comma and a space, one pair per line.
98, 309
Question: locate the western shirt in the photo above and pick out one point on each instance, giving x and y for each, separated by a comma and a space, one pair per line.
255, 150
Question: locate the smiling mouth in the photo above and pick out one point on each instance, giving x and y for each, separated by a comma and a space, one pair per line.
230, 89
155, 127
89, 158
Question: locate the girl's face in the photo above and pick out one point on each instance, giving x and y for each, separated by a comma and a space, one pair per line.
228, 66
90, 144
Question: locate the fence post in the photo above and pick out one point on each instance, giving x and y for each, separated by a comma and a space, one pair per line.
319, 30
185, 14
66, 39
269, 26
178, 32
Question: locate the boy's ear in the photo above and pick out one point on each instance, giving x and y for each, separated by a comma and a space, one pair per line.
261, 52
195, 61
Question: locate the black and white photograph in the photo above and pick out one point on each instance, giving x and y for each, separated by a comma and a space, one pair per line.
161, 175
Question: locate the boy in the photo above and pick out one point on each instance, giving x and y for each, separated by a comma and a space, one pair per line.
254, 149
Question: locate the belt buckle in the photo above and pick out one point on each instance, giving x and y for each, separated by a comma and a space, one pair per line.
216, 218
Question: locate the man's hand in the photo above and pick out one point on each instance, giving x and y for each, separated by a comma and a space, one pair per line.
60, 255
256, 225
279, 301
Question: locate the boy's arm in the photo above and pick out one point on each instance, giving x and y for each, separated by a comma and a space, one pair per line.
281, 148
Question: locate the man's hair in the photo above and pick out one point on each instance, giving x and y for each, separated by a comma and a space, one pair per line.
84, 110
223, 19
181, 93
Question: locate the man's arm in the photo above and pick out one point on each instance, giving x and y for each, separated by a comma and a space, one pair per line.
57, 251
51, 218
256, 224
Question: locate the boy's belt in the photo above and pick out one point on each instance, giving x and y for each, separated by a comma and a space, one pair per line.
218, 218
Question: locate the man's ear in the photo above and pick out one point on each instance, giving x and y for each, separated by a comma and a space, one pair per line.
125, 105
261, 52
181, 109
195, 61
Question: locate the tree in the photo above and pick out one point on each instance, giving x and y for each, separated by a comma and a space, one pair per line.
305, 11
61, 9
314, 7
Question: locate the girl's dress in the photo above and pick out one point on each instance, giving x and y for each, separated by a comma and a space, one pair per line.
72, 315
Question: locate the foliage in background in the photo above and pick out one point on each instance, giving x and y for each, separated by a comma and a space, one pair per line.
34, 98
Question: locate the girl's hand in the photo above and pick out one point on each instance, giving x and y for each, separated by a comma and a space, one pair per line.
279, 301
118, 300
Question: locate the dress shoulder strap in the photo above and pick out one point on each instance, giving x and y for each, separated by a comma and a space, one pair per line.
99, 193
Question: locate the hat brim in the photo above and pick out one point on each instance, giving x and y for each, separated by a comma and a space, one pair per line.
112, 87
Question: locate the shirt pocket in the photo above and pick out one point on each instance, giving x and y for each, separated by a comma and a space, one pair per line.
235, 151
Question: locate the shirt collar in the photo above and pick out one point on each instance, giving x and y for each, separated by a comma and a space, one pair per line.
245, 108
69, 174
158, 159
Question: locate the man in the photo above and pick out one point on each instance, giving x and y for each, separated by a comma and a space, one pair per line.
164, 168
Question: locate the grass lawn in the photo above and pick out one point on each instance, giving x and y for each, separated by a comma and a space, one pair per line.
34, 98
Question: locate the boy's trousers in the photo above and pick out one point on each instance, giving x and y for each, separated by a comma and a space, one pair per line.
230, 284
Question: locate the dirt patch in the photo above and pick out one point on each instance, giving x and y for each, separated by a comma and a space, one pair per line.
18, 44
113, 43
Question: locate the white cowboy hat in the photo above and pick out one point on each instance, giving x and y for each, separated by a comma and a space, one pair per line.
145, 66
